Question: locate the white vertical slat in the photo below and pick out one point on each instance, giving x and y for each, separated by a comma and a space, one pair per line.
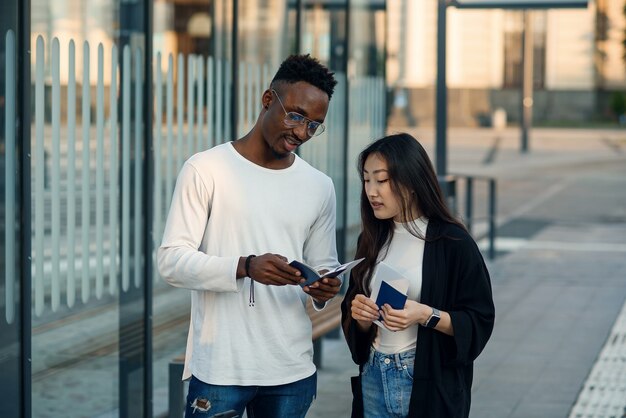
266, 76
190, 102
252, 99
169, 117
100, 174
85, 206
219, 103
180, 109
158, 155
113, 186
55, 295
39, 176
255, 100
200, 102
209, 103
71, 176
228, 135
242, 122
138, 236
126, 76
9, 178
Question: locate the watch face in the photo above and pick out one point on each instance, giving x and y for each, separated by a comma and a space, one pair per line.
434, 319
432, 323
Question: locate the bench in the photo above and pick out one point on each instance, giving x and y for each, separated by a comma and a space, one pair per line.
324, 322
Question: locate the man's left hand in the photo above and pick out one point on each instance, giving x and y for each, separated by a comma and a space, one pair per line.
323, 290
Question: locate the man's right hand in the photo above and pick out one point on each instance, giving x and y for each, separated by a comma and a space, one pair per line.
272, 269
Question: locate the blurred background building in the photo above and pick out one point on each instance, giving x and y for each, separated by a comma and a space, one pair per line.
578, 63
101, 101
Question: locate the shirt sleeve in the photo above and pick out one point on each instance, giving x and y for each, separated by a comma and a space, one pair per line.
473, 311
179, 260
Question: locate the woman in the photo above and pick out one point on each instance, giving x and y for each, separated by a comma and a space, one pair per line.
419, 363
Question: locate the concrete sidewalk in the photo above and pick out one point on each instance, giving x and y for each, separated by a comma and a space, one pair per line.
559, 280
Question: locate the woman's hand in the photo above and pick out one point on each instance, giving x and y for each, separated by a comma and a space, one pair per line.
399, 319
364, 311
414, 313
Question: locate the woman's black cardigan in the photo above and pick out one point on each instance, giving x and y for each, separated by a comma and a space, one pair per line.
454, 279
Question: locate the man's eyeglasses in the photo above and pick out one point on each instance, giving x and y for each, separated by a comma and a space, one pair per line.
293, 119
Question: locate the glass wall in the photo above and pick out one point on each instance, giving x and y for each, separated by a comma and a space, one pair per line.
323, 35
87, 152
115, 110
10, 235
366, 95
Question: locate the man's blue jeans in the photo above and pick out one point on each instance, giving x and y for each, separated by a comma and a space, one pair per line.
387, 383
291, 400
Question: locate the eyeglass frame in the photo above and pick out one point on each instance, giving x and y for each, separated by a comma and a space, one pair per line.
292, 123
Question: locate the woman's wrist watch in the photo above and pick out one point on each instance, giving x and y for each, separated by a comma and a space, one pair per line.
433, 319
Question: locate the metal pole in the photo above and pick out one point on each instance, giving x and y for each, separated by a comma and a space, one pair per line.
526, 110
24, 152
148, 198
298, 26
442, 99
492, 219
343, 238
469, 201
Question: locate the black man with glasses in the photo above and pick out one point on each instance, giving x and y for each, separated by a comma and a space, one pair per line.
241, 211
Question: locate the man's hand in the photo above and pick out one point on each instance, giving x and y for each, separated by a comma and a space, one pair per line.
272, 269
323, 290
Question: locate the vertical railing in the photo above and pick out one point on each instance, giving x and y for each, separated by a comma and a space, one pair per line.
468, 215
85, 177
82, 229
83, 222
71, 178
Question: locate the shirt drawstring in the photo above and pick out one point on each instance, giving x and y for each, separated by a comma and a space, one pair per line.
247, 268
251, 299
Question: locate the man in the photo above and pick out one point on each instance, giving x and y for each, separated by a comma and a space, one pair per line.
240, 212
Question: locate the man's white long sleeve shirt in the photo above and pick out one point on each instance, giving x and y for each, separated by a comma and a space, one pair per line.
225, 207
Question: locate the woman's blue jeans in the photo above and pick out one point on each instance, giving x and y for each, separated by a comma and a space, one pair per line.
290, 400
387, 381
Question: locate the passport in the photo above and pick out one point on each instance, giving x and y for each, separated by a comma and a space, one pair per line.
388, 294
311, 275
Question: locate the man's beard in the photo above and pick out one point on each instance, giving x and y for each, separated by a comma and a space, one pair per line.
280, 155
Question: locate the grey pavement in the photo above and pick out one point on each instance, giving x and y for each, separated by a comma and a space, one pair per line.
559, 279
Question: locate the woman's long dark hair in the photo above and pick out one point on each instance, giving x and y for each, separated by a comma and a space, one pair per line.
414, 183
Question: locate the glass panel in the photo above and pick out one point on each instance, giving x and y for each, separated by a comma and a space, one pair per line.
366, 92
266, 36
87, 139
266, 31
192, 46
324, 36
10, 383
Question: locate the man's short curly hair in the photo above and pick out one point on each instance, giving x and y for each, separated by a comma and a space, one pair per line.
308, 69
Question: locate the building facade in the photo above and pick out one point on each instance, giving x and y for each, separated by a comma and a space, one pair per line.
578, 62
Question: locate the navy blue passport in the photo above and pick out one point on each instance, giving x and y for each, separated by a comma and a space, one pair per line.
312, 276
388, 294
